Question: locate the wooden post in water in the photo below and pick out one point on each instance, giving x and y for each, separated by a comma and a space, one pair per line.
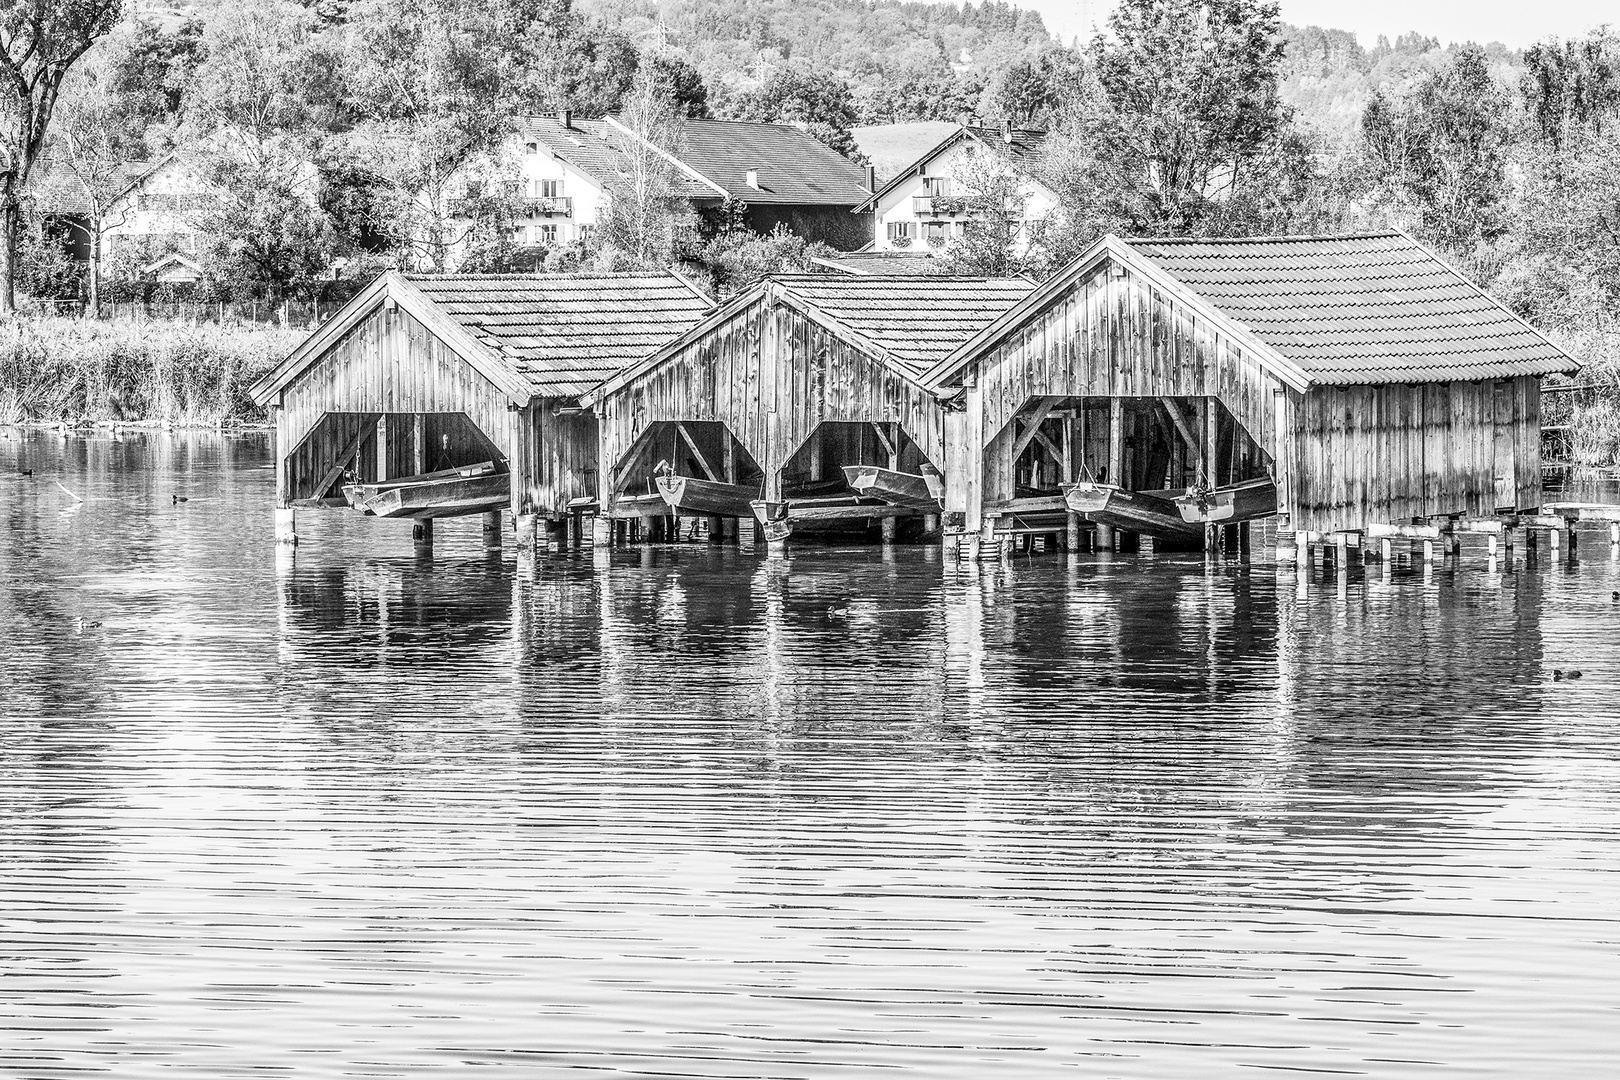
492, 530
422, 535
286, 526
382, 449
1107, 537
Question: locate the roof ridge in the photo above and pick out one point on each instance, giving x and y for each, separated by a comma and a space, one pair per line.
1388, 234
626, 276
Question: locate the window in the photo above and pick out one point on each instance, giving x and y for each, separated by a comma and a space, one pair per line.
520, 235
937, 185
900, 233
585, 233
961, 229
936, 232
545, 234
531, 148
549, 189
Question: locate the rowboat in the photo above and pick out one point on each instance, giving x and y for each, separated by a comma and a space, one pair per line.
1229, 502
446, 497
689, 495
1137, 511
360, 496
921, 492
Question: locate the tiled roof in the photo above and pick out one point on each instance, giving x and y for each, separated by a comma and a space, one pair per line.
893, 263
792, 167
1016, 143
916, 320
57, 192
563, 334
1359, 309
586, 145
892, 148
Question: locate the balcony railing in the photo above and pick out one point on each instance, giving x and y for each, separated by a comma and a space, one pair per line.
958, 206
549, 206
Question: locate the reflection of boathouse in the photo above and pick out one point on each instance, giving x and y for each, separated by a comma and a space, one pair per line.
433, 396
1344, 381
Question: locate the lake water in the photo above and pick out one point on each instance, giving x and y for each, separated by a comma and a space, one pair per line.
695, 813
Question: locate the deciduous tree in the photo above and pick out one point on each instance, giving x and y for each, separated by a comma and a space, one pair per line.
40, 41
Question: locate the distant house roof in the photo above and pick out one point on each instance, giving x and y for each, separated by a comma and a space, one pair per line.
57, 192
585, 145
533, 336
1317, 310
908, 323
715, 159
892, 147
188, 269
791, 167
883, 263
1360, 309
1016, 143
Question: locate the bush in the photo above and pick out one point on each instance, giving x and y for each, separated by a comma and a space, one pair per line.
173, 373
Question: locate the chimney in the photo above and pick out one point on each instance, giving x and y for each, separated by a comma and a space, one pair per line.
753, 179
871, 178
975, 120
565, 117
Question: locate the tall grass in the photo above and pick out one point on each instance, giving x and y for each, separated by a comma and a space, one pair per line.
187, 375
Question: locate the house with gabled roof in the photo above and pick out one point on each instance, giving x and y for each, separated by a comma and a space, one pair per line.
930, 203
423, 373
1371, 383
563, 169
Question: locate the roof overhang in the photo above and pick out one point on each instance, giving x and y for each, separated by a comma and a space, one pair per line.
391, 286
1111, 249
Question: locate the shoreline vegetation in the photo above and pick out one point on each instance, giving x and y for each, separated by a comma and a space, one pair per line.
81, 373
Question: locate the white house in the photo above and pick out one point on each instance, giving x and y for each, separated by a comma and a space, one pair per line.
927, 205
562, 167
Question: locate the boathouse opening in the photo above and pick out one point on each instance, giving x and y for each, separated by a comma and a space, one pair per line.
346, 448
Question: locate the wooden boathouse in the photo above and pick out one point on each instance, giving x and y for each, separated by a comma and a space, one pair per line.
1362, 378
429, 396
775, 396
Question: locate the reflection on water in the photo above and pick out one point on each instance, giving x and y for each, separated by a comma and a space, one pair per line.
691, 812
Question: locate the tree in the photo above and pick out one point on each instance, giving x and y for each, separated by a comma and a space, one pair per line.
1184, 104
1443, 150
41, 41
1573, 87
995, 241
644, 208
817, 103
681, 82
431, 88
1032, 91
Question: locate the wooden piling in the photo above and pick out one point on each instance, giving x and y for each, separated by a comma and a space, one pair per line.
286, 519
492, 529
422, 534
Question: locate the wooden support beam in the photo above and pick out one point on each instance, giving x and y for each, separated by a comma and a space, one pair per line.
1180, 423
419, 444
1409, 532
349, 453
1049, 446
382, 449
1212, 438
1034, 426
888, 443
709, 471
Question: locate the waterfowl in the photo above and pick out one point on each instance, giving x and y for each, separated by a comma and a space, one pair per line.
178, 499
26, 472
85, 624
838, 611
1560, 674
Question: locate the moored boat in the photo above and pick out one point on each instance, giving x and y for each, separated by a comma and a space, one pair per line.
920, 492
1229, 503
690, 495
1137, 511
361, 495
446, 497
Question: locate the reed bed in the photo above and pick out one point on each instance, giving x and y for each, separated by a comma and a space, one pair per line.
79, 371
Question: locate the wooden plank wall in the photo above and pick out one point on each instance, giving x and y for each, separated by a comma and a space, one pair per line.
772, 376
1116, 335
387, 363
559, 459
1397, 452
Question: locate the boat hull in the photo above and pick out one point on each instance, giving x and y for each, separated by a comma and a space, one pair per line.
361, 496
1229, 504
1137, 511
453, 497
689, 495
912, 490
